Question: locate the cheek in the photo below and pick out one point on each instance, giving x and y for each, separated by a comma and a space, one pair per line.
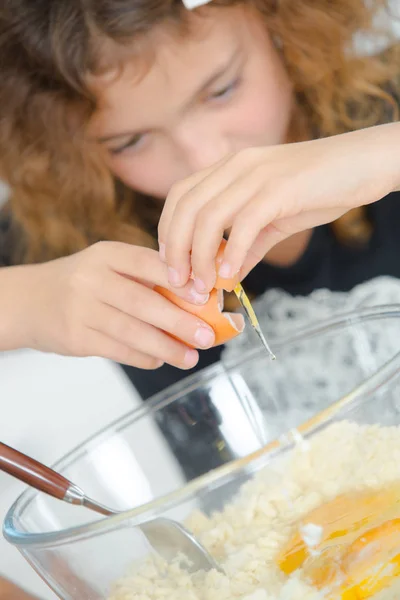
148, 175
265, 112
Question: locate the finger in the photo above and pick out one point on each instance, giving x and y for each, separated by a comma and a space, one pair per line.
309, 219
175, 194
148, 306
216, 217
258, 215
144, 264
99, 344
179, 234
144, 338
180, 241
178, 270
178, 190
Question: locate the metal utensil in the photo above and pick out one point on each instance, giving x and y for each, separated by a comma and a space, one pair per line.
167, 537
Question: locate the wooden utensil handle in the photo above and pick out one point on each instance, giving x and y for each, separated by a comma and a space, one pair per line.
32, 472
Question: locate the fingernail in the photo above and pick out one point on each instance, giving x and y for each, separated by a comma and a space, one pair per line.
162, 252
173, 276
225, 271
200, 285
191, 359
197, 297
204, 337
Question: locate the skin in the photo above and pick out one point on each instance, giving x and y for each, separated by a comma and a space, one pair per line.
187, 124
222, 150
101, 302
265, 195
267, 198
198, 103
213, 152
208, 94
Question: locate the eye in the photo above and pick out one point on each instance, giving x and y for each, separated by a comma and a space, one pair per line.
226, 91
132, 142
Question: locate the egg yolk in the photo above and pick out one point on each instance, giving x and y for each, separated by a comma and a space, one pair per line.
358, 553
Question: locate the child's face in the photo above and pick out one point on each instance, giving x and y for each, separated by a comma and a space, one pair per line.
218, 90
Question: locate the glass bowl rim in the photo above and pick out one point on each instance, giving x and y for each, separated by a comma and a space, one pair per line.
142, 513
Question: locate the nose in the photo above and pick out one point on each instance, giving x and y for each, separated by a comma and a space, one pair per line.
201, 149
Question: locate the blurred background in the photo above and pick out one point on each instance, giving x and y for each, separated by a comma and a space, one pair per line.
56, 404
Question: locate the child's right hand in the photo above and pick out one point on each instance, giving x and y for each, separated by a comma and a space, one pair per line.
101, 302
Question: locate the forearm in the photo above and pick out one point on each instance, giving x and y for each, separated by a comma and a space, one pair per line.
395, 133
382, 157
16, 285
9, 591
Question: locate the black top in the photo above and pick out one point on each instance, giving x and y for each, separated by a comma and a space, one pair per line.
325, 264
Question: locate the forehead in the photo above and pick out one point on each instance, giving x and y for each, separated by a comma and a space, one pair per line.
173, 64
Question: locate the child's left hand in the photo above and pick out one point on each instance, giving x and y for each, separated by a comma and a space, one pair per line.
264, 195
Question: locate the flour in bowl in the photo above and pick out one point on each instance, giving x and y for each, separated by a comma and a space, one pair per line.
247, 536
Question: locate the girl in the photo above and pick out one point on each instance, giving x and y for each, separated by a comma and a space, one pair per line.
106, 106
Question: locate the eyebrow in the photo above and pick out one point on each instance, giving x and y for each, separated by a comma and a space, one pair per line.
201, 89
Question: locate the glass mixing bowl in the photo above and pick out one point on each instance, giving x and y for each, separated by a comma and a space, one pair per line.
193, 446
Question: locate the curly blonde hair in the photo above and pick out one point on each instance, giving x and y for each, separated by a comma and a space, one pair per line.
64, 197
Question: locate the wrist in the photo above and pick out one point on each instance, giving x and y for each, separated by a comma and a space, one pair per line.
385, 139
395, 130
17, 288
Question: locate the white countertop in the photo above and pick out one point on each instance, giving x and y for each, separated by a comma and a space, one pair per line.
49, 404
